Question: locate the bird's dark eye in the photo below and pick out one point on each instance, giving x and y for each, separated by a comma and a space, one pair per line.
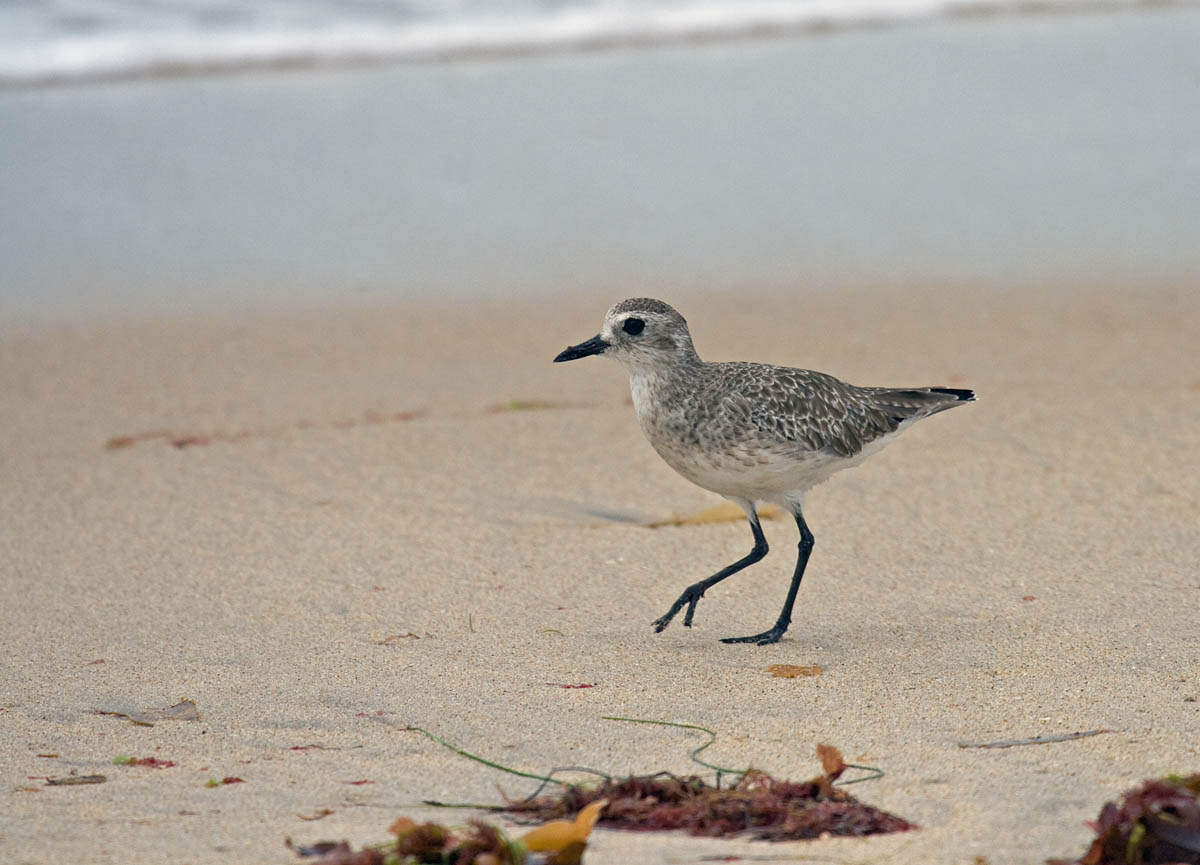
633, 326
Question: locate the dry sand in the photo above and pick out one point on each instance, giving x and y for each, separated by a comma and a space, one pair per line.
1022, 566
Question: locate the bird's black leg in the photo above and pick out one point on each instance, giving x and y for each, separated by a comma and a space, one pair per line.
785, 616
693, 593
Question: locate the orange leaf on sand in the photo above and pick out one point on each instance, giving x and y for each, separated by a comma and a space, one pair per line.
565, 839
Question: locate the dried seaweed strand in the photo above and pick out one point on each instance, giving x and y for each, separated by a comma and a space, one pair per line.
434, 803
712, 737
545, 779
557, 769
550, 779
876, 773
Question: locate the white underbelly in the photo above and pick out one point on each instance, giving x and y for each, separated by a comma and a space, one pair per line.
761, 474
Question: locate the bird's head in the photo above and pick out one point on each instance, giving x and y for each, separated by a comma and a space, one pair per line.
638, 332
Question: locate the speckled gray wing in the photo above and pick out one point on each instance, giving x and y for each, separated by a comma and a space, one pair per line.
815, 412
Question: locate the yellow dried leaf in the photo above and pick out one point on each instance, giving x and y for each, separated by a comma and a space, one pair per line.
557, 835
793, 671
723, 513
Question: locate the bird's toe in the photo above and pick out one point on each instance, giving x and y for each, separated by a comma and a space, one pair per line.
764, 639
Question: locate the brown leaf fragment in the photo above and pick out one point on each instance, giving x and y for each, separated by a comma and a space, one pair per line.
475, 844
393, 639
793, 671
320, 814
359, 782
119, 442
1035, 740
831, 761
422, 841
45, 755
75, 780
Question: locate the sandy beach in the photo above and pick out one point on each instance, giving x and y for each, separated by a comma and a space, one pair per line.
241, 513
280, 436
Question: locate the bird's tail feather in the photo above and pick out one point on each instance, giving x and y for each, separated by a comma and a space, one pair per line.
911, 403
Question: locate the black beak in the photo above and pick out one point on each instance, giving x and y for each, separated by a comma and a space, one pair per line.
595, 345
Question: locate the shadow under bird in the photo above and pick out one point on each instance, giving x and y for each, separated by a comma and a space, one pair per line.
750, 432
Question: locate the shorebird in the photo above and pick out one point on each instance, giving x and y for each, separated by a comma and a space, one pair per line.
750, 432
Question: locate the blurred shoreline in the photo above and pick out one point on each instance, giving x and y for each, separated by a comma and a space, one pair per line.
989, 154
44, 45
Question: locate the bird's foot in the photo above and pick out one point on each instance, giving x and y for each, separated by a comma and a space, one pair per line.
691, 596
763, 639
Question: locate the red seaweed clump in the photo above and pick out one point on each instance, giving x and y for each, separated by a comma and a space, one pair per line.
763, 807
1154, 824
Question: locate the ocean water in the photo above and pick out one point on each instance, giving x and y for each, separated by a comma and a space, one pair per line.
982, 153
45, 41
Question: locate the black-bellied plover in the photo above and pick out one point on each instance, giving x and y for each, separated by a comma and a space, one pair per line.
750, 432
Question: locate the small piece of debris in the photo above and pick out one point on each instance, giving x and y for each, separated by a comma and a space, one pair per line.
393, 639
793, 671
75, 780
148, 762
324, 812
723, 513
1035, 740
228, 779
185, 710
